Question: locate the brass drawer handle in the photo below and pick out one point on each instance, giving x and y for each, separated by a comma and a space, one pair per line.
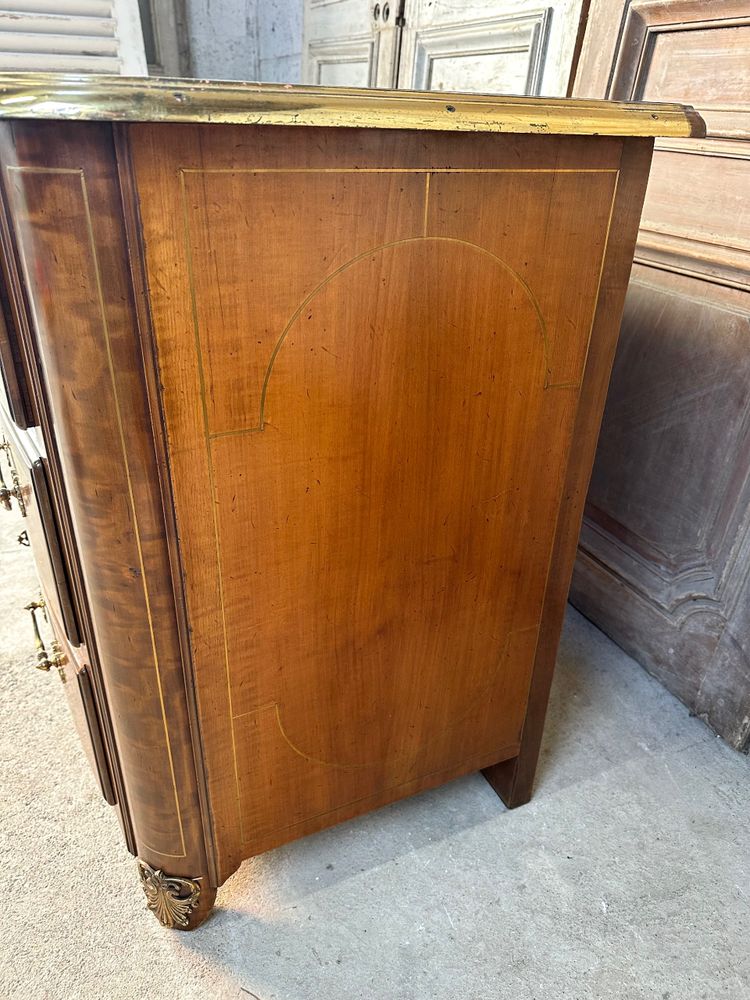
45, 661
7, 493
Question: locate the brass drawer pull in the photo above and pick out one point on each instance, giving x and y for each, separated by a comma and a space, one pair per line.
45, 661
7, 493
23, 538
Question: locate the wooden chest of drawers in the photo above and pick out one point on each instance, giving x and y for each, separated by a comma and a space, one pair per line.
318, 377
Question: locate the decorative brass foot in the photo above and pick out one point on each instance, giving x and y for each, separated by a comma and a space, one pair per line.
171, 899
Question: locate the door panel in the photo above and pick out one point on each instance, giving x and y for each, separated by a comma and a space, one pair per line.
352, 43
517, 47
503, 54
341, 62
666, 537
680, 62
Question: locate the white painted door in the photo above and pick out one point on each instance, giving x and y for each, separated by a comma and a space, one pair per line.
351, 43
512, 47
486, 46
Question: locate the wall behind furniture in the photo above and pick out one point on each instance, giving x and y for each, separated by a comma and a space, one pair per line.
664, 555
245, 39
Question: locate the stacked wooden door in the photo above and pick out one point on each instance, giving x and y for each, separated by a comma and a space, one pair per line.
516, 47
665, 548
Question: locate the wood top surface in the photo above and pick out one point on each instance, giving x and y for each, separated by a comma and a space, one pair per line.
115, 98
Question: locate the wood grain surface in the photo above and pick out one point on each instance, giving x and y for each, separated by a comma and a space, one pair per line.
371, 348
65, 212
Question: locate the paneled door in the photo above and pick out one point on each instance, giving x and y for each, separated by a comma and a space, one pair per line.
352, 43
520, 47
486, 46
664, 554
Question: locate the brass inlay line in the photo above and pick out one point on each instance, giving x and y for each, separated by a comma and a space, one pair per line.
20, 169
234, 432
210, 437
133, 508
426, 202
500, 752
445, 170
576, 385
575, 415
212, 486
455, 720
128, 476
399, 170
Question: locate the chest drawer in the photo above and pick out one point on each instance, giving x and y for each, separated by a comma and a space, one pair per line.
53, 622
25, 485
75, 672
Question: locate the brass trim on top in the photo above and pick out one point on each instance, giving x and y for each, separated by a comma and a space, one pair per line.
88, 97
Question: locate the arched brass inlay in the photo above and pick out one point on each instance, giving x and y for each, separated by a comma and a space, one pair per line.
350, 263
209, 436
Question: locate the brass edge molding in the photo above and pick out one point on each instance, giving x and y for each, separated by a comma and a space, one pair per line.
137, 99
170, 898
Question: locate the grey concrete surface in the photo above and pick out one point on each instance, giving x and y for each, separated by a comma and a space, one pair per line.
625, 877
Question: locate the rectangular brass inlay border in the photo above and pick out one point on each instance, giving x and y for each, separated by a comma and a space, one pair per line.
209, 437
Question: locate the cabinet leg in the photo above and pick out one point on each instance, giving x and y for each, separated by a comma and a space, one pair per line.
179, 903
511, 781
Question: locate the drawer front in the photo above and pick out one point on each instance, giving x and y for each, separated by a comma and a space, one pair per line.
53, 622
24, 473
75, 672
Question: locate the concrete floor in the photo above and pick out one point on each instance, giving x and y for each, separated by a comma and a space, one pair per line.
626, 877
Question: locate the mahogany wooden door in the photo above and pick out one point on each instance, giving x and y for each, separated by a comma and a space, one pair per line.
665, 546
